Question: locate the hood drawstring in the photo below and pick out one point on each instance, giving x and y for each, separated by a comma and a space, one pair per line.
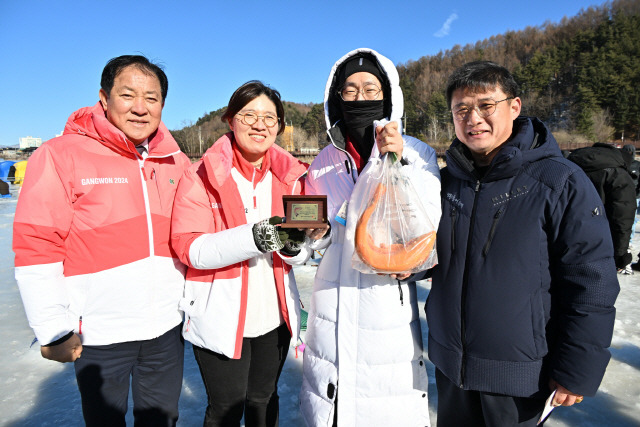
401, 295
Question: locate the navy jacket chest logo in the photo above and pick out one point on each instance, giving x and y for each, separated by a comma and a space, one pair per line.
455, 200
505, 197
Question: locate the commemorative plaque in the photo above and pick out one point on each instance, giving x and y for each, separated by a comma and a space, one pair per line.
305, 211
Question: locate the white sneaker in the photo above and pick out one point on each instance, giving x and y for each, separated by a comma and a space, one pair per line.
626, 270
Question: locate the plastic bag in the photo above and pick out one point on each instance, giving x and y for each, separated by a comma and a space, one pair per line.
393, 233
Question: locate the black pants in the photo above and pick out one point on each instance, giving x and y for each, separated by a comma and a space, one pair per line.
247, 385
154, 368
458, 407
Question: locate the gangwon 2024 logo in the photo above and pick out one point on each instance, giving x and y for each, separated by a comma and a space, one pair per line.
106, 180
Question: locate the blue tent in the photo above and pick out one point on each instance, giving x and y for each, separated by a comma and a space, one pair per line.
4, 170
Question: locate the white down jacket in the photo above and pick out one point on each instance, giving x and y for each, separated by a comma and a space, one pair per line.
370, 362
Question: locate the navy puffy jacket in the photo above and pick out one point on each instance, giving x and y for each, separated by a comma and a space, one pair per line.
525, 285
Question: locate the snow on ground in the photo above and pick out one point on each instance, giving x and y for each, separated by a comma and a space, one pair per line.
39, 392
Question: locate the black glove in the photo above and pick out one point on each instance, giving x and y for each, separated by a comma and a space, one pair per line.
623, 260
267, 235
293, 240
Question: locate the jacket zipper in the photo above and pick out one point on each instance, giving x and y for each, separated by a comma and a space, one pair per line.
347, 163
147, 206
145, 193
253, 186
465, 281
454, 218
496, 217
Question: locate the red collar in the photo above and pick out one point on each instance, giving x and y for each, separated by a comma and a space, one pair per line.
248, 171
359, 161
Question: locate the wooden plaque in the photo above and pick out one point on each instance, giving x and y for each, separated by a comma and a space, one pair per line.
305, 211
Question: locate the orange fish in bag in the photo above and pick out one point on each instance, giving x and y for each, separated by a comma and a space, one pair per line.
393, 233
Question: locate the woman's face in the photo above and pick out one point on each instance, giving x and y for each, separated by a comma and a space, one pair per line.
255, 140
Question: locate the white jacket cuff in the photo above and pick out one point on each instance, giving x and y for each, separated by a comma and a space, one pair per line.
45, 300
301, 257
224, 248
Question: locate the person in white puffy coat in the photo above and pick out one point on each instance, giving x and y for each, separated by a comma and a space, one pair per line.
364, 359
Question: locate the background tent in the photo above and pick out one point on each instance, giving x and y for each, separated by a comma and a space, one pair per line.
5, 167
19, 168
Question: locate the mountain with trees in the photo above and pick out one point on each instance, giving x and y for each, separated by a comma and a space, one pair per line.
307, 121
581, 76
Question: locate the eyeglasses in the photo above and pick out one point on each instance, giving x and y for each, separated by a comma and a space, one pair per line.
250, 119
484, 110
370, 92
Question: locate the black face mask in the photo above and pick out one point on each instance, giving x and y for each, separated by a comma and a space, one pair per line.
358, 119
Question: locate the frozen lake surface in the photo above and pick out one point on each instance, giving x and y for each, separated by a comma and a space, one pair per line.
39, 392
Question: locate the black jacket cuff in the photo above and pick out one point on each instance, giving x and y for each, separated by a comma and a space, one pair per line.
59, 340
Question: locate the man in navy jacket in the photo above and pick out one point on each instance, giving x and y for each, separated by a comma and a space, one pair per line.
522, 299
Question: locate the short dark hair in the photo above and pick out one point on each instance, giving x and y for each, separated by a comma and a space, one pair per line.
247, 93
116, 65
480, 76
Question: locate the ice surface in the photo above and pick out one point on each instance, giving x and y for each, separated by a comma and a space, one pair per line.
39, 392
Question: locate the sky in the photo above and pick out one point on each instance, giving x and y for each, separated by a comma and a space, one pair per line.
52, 52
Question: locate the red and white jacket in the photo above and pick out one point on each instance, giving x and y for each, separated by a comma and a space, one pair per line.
209, 203
91, 234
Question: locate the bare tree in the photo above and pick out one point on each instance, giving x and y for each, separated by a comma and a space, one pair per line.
434, 128
188, 139
602, 129
451, 132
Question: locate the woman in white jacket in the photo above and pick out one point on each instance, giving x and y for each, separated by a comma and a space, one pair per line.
363, 362
241, 303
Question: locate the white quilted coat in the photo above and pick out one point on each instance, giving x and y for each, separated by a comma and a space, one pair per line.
364, 340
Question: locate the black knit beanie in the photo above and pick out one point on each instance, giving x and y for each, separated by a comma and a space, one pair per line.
357, 64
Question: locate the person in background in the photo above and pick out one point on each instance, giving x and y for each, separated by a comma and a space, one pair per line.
4, 189
634, 171
606, 167
91, 240
241, 304
522, 298
363, 361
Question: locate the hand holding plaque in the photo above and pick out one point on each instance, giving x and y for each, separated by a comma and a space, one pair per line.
305, 211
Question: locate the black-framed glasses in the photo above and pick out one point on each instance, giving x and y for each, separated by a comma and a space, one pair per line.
250, 119
484, 110
370, 92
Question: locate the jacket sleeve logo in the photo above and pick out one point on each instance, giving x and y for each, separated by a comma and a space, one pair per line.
107, 180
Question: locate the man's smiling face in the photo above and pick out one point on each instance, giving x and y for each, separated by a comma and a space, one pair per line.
484, 135
135, 103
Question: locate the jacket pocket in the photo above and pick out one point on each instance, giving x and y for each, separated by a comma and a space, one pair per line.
195, 299
492, 231
154, 176
538, 324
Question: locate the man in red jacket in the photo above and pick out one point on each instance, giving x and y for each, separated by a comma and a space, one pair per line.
91, 237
